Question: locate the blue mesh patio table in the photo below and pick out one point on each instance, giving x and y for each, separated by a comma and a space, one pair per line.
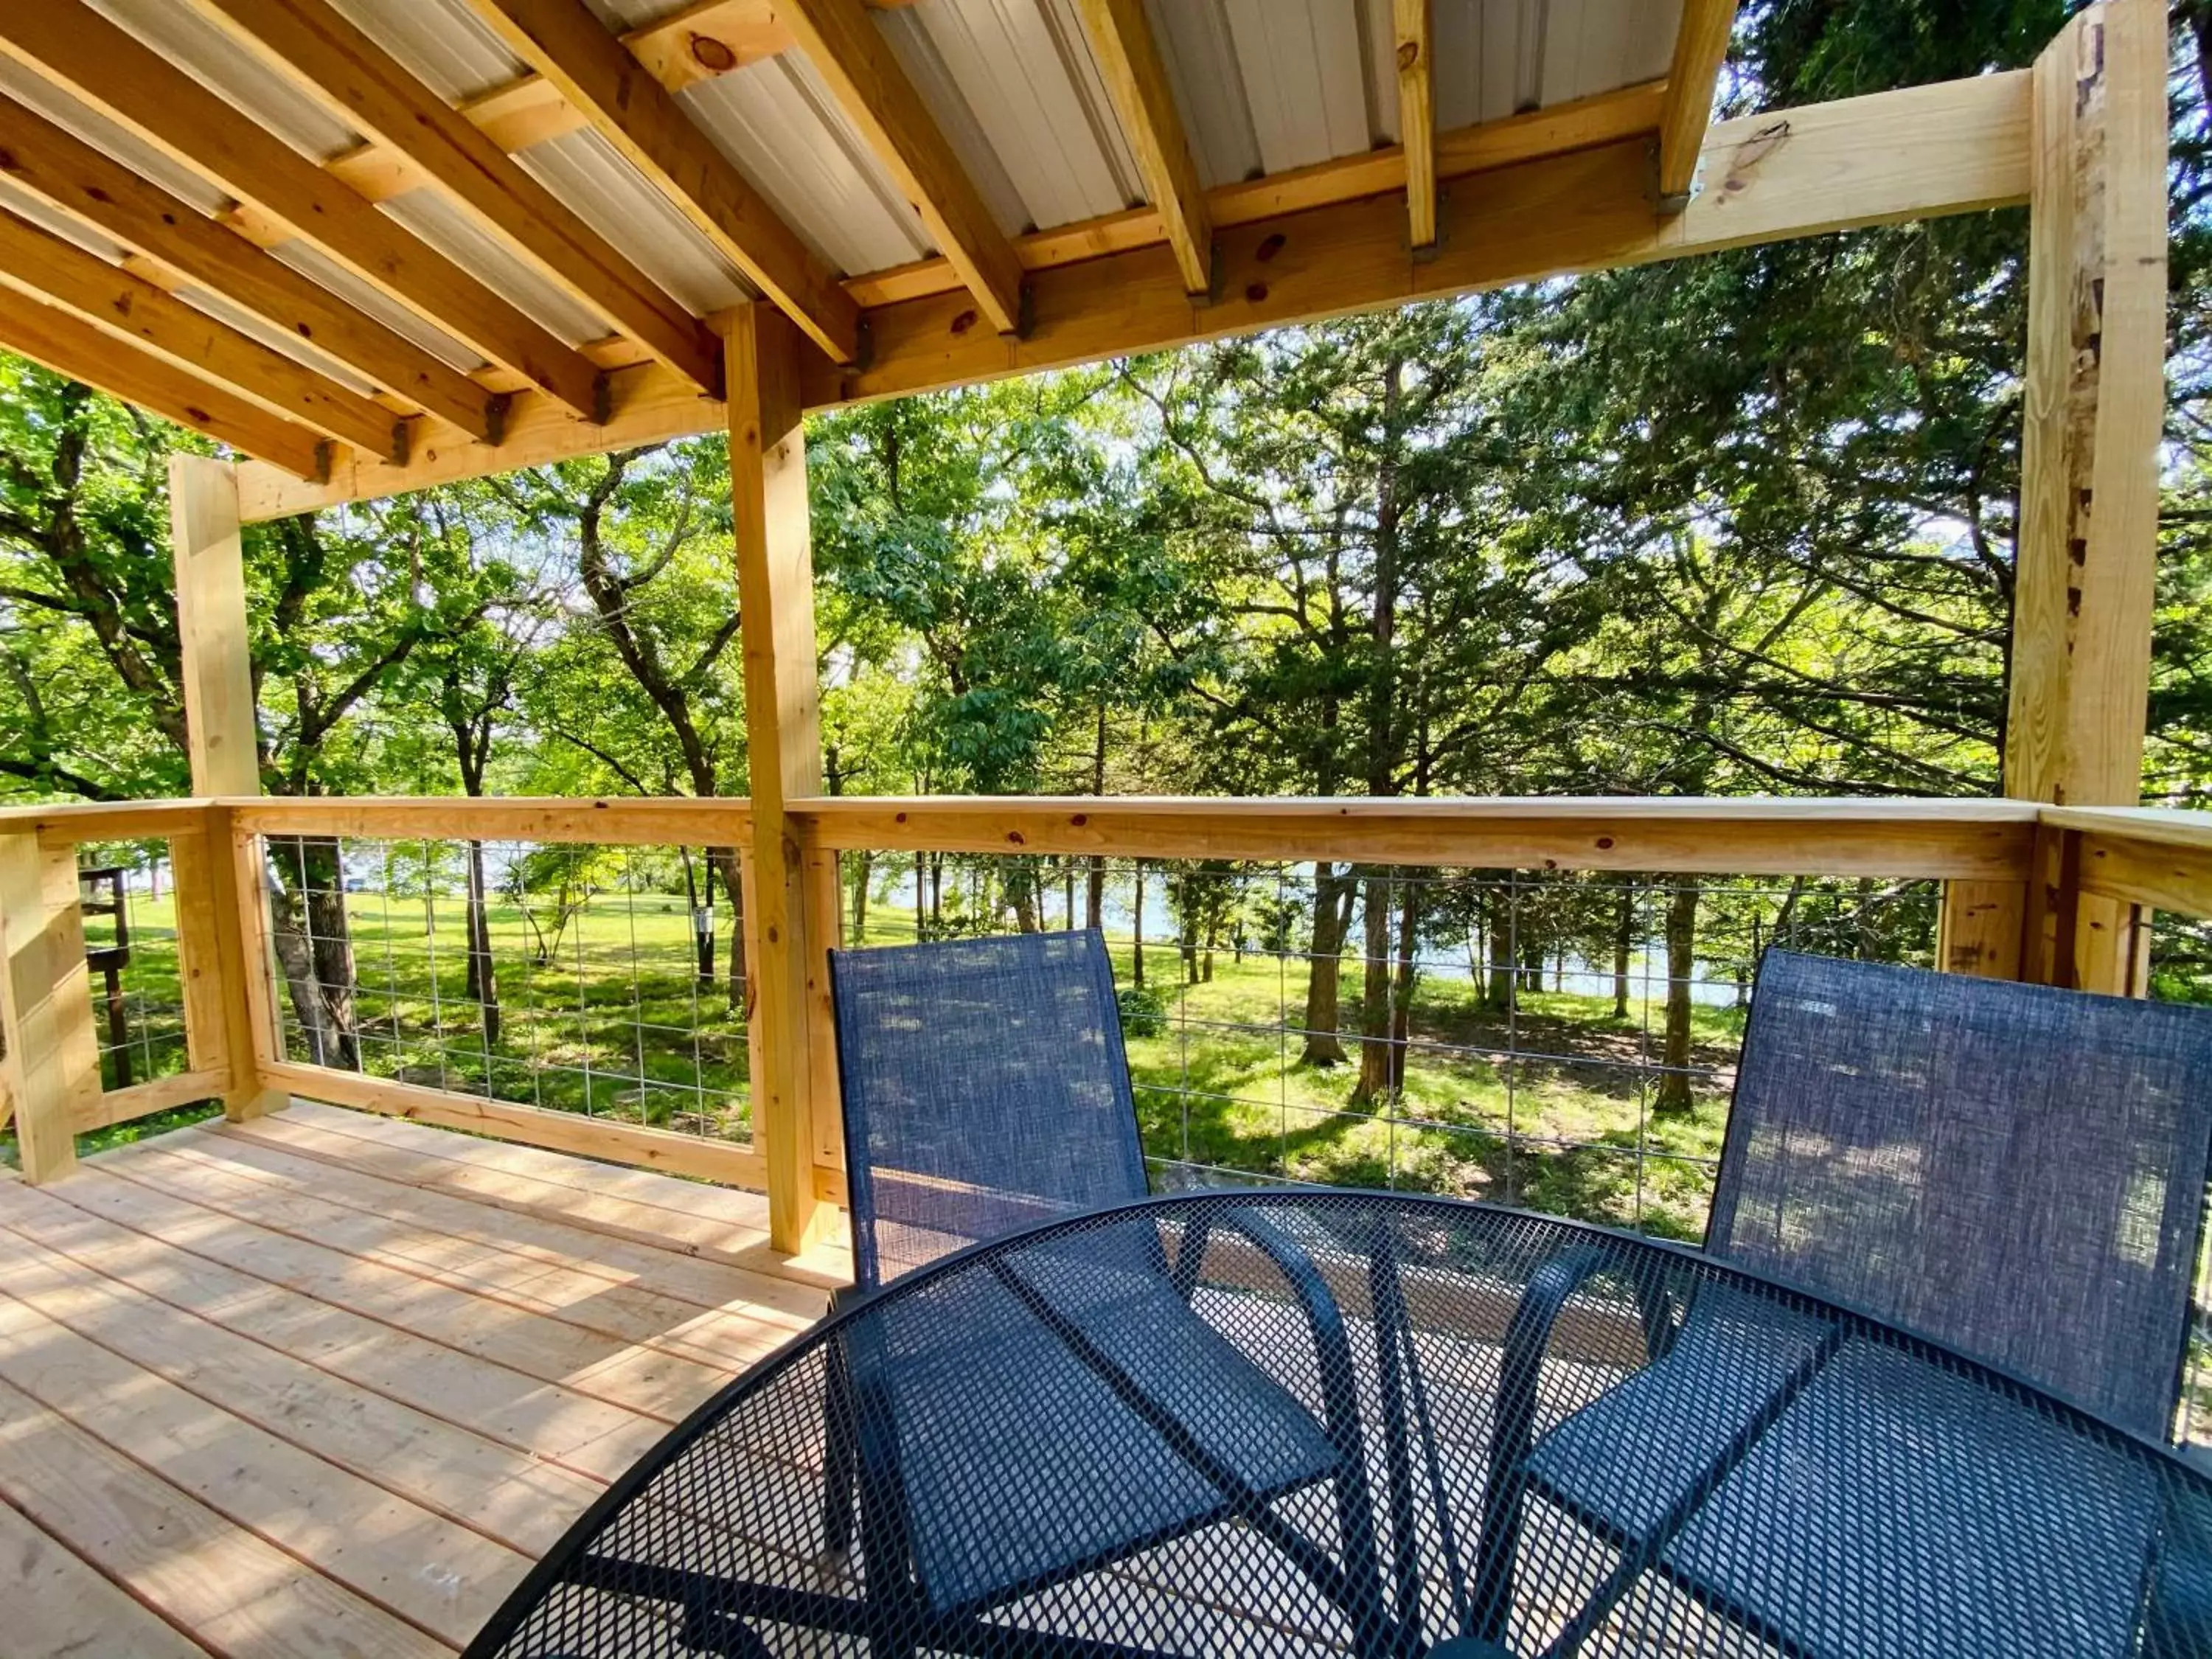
1455, 1429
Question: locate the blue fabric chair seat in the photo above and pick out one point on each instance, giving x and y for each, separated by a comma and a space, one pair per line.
1900, 1458
1020, 1458
1625, 1461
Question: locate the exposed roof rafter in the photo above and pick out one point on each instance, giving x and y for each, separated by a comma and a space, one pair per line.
369, 89
68, 345
72, 176
1414, 30
626, 105
1137, 80
1700, 49
75, 47
852, 57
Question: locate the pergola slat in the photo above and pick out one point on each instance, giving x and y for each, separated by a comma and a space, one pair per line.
1414, 31
626, 105
74, 177
371, 90
75, 46
1700, 48
38, 263
1137, 80
856, 61
71, 346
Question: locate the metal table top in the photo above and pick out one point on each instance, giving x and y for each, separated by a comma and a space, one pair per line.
1316, 1423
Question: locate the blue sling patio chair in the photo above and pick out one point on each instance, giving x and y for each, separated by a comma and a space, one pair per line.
1074, 1398
2015, 1171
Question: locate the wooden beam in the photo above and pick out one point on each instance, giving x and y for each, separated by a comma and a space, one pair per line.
786, 961
1977, 840
856, 61
2095, 403
369, 89
1700, 48
1416, 116
68, 345
36, 262
564, 41
1137, 81
1583, 124
69, 43
1817, 169
610, 821
1980, 927
74, 177
52, 1055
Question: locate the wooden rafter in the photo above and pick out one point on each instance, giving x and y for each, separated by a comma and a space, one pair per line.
1700, 48
1823, 167
1137, 80
78, 179
627, 106
34, 261
75, 46
1416, 116
68, 345
856, 61
369, 89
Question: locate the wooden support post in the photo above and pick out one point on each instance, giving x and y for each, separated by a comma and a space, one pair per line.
787, 944
52, 1064
225, 748
2095, 407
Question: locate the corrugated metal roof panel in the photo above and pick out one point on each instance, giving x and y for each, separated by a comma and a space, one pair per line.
1208, 87
604, 191
1012, 64
440, 41
24, 205
782, 128
449, 228
319, 268
74, 116
1304, 79
940, 94
1594, 46
206, 53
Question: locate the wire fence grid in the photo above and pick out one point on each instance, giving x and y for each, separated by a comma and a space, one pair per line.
604, 981
125, 893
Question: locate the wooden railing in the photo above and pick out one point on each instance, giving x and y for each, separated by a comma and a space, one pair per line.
2059, 895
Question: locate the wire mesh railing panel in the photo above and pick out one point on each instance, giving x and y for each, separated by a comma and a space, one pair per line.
1562, 1042
607, 980
127, 893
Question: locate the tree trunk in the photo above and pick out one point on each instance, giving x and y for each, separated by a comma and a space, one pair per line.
1022, 892
1324, 973
1137, 932
314, 944
1375, 1021
863, 866
1681, 958
1401, 1013
1502, 995
1624, 938
724, 862
483, 976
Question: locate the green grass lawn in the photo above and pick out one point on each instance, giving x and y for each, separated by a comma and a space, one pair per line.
1550, 1108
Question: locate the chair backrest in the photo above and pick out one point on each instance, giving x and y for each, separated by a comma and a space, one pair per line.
2014, 1170
985, 1089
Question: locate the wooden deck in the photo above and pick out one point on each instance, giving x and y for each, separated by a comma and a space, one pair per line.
327, 1384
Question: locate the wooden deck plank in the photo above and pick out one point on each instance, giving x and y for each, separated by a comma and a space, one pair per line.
508, 1497
666, 1225
239, 1593
623, 1313
382, 1181
58, 1607
654, 1384
510, 1406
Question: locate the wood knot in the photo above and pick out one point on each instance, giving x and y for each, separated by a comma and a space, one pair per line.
1255, 292
1604, 843
1014, 838
712, 55
1409, 53
963, 322
1270, 246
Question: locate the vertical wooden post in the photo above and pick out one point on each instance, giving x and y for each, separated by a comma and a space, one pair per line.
224, 743
783, 728
52, 1061
2095, 406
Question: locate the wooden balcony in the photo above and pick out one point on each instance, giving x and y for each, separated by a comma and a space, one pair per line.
328, 1384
